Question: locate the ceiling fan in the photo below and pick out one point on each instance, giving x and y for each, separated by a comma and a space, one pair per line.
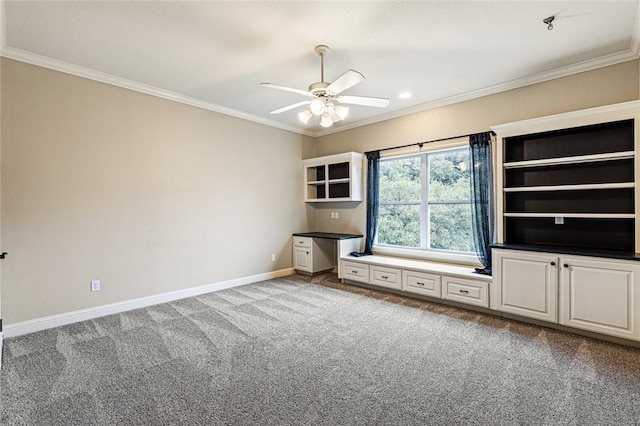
325, 97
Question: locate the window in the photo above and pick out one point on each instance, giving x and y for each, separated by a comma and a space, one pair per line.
425, 202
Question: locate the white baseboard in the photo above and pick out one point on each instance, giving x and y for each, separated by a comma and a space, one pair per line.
39, 324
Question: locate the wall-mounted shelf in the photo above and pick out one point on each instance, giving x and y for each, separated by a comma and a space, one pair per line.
570, 180
333, 178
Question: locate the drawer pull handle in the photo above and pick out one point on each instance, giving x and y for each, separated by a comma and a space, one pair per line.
464, 291
354, 272
419, 283
384, 277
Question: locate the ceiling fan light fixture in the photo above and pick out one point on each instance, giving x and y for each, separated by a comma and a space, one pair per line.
317, 107
342, 112
326, 121
305, 116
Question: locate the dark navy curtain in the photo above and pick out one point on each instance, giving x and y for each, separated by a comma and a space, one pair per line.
482, 202
373, 198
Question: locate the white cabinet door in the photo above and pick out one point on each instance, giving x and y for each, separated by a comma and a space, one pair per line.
525, 284
600, 295
302, 259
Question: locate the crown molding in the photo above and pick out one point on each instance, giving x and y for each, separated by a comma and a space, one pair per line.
65, 67
612, 59
605, 113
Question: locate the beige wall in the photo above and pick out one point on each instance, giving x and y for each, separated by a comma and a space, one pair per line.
147, 195
151, 196
609, 85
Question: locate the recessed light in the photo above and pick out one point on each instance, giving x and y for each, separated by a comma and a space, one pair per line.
404, 95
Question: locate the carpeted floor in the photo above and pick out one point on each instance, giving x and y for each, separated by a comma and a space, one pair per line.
301, 351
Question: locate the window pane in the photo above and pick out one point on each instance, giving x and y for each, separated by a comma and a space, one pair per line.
399, 225
449, 175
451, 227
400, 180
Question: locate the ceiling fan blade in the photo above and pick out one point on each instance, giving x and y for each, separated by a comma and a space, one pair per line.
287, 108
345, 81
363, 100
287, 89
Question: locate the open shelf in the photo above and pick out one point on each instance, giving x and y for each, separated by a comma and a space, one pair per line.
606, 138
334, 178
585, 232
570, 187
602, 172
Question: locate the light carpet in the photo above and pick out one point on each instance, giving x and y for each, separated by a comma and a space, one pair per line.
302, 351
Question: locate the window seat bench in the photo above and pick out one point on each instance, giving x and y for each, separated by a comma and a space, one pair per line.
447, 281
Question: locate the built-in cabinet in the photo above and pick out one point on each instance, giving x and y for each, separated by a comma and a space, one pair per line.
525, 284
589, 293
438, 280
333, 178
568, 220
312, 255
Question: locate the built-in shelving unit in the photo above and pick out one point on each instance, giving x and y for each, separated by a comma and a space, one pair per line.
569, 180
333, 178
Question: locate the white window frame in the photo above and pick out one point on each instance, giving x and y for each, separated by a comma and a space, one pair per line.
422, 252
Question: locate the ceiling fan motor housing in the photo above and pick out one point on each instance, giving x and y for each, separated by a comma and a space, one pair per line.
319, 88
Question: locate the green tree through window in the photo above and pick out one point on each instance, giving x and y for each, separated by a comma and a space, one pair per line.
425, 202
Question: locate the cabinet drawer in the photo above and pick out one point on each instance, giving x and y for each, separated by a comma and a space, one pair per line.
421, 283
386, 277
302, 242
356, 272
466, 291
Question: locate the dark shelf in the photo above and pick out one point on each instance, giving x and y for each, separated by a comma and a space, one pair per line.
339, 190
339, 171
575, 201
572, 250
614, 171
595, 139
586, 233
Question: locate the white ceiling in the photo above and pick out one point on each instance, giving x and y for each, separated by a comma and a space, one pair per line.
216, 54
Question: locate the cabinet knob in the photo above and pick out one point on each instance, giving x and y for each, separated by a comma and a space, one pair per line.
553, 263
566, 265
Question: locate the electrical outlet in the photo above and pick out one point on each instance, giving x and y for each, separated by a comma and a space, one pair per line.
273, 257
337, 215
333, 215
95, 285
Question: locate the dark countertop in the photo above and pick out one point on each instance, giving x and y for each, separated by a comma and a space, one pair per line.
576, 251
327, 235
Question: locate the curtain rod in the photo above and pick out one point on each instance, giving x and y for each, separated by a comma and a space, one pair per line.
423, 143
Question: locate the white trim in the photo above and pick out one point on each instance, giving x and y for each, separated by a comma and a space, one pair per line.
65, 67
602, 114
39, 324
54, 64
580, 67
575, 187
0, 350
